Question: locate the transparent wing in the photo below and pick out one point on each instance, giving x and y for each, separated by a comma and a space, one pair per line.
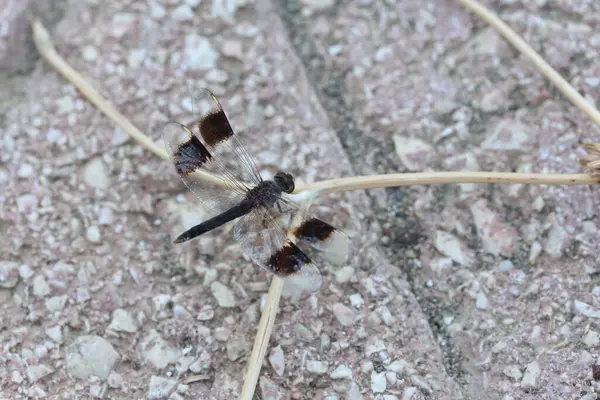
218, 153
335, 245
232, 158
262, 238
192, 159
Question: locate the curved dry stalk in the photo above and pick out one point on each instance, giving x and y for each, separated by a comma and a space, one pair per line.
261, 340
435, 178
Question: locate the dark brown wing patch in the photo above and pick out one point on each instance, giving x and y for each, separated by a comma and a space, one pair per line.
190, 156
288, 260
215, 128
314, 230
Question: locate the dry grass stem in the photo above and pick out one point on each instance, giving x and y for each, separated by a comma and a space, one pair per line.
591, 164
48, 52
195, 378
434, 178
261, 341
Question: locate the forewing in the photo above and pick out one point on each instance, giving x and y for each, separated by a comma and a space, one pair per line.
191, 158
262, 238
218, 137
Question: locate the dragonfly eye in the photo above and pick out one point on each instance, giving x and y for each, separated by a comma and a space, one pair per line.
285, 182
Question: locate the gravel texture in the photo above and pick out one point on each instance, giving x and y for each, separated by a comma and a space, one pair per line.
454, 292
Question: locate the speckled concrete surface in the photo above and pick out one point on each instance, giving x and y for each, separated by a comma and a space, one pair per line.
467, 291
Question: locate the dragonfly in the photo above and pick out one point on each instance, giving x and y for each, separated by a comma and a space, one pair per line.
272, 229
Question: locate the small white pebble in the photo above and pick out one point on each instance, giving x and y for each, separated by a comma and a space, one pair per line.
222, 334
530, 378
538, 204
386, 316
160, 387
505, 266
233, 49
206, 313
16, 377
378, 382
37, 372
341, 372
115, 381
396, 366
418, 382
93, 234
277, 360
97, 391
591, 339
55, 333
586, 309
157, 11
122, 321
513, 371
343, 314
25, 272
317, 367
409, 393
183, 388
391, 377
182, 13
27, 203
90, 53
65, 105
56, 303
106, 216
3, 176
40, 286
534, 252
54, 136
344, 274
25, 171
217, 76
356, 300
482, 301
269, 111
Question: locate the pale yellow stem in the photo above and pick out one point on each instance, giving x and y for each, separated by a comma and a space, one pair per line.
436, 178
261, 341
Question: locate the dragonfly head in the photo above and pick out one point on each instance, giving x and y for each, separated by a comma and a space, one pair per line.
285, 182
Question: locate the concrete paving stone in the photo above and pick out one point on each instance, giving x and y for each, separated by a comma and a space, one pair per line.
321, 90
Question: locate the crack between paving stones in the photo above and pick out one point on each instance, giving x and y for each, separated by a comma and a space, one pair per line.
328, 85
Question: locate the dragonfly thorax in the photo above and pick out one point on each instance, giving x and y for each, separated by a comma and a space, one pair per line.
265, 193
